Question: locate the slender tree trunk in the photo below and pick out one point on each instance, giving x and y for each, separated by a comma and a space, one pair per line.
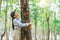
0, 16
51, 36
0, 7
35, 28
7, 38
55, 38
43, 28
48, 33
2, 35
25, 32
43, 32
0, 11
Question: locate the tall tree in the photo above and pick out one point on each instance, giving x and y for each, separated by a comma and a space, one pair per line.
47, 18
35, 19
43, 38
0, 12
7, 38
5, 31
35, 13
25, 32
0, 7
55, 38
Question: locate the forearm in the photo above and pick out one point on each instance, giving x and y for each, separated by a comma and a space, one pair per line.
23, 24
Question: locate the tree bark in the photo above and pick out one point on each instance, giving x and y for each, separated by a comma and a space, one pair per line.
48, 32
0, 7
35, 28
0, 13
55, 38
25, 32
43, 38
7, 38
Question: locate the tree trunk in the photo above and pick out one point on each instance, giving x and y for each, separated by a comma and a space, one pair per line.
35, 28
25, 32
43, 38
6, 20
0, 13
0, 16
51, 35
0, 7
2, 35
48, 32
55, 38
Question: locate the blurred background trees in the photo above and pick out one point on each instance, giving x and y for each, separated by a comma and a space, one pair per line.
44, 16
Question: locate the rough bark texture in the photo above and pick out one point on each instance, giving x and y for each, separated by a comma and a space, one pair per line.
25, 32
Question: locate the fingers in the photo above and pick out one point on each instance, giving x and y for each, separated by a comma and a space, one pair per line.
30, 26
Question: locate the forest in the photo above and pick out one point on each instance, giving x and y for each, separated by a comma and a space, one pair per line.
44, 15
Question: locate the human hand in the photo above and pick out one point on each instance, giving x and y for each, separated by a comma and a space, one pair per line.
30, 26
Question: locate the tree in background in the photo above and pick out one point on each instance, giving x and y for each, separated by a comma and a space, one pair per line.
5, 31
0, 7
55, 37
35, 17
48, 32
0, 12
42, 23
7, 37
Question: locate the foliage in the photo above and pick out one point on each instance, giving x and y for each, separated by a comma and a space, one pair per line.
36, 13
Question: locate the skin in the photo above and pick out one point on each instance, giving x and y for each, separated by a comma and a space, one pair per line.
16, 16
